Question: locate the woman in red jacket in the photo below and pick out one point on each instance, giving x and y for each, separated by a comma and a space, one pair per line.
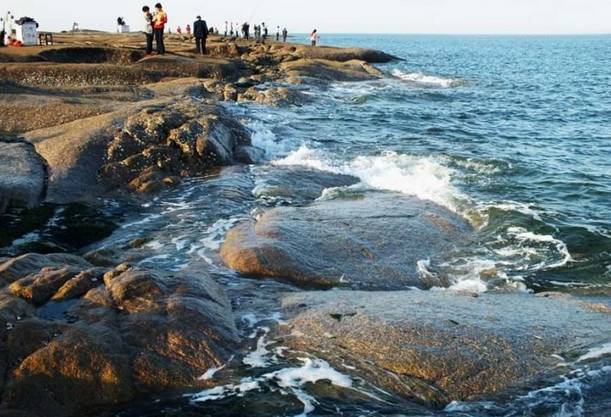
159, 21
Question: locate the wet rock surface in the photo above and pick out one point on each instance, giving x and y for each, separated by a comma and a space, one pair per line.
110, 335
23, 175
294, 185
373, 241
437, 347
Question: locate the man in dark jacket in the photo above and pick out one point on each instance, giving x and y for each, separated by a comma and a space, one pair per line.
200, 31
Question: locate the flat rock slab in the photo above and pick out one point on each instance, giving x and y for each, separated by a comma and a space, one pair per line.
344, 54
22, 175
327, 70
374, 241
438, 346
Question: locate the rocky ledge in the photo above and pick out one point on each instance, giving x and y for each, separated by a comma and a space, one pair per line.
77, 338
439, 346
103, 117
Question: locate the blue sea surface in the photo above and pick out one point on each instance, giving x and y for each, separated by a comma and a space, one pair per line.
521, 126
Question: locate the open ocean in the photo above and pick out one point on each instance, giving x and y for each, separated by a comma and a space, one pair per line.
511, 132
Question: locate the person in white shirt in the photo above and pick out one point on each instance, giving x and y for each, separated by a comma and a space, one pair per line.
314, 37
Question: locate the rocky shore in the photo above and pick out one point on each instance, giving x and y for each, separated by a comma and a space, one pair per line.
82, 332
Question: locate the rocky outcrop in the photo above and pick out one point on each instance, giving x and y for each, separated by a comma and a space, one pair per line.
372, 241
111, 336
161, 144
328, 70
437, 347
23, 175
144, 146
344, 54
275, 96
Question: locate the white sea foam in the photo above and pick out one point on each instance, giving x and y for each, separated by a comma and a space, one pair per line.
422, 177
312, 371
596, 353
527, 209
154, 245
430, 81
287, 380
212, 371
260, 357
550, 248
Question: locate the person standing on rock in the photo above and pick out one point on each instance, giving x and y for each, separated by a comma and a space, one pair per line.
200, 30
277, 33
148, 29
285, 34
265, 33
314, 37
159, 21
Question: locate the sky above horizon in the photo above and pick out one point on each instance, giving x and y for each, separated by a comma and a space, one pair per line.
340, 16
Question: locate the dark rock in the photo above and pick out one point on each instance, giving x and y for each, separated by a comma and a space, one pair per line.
249, 154
88, 360
438, 347
371, 242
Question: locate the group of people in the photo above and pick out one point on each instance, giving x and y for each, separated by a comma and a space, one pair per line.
156, 21
261, 32
154, 29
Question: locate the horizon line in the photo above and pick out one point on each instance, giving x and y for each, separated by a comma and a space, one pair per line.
420, 33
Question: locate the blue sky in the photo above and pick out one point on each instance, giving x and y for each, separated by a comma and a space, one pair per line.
380, 16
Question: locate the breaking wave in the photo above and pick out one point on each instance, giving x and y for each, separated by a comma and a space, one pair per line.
423, 80
421, 177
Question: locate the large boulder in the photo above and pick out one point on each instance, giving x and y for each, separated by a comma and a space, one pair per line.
437, 347
110, 336
326, 70
373, 241
23, 175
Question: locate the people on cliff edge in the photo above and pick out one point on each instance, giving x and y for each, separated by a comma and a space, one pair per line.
314, 37
160, 19
200, 30
148, 29
285, 34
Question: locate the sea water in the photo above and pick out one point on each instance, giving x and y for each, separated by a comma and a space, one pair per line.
512, 133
